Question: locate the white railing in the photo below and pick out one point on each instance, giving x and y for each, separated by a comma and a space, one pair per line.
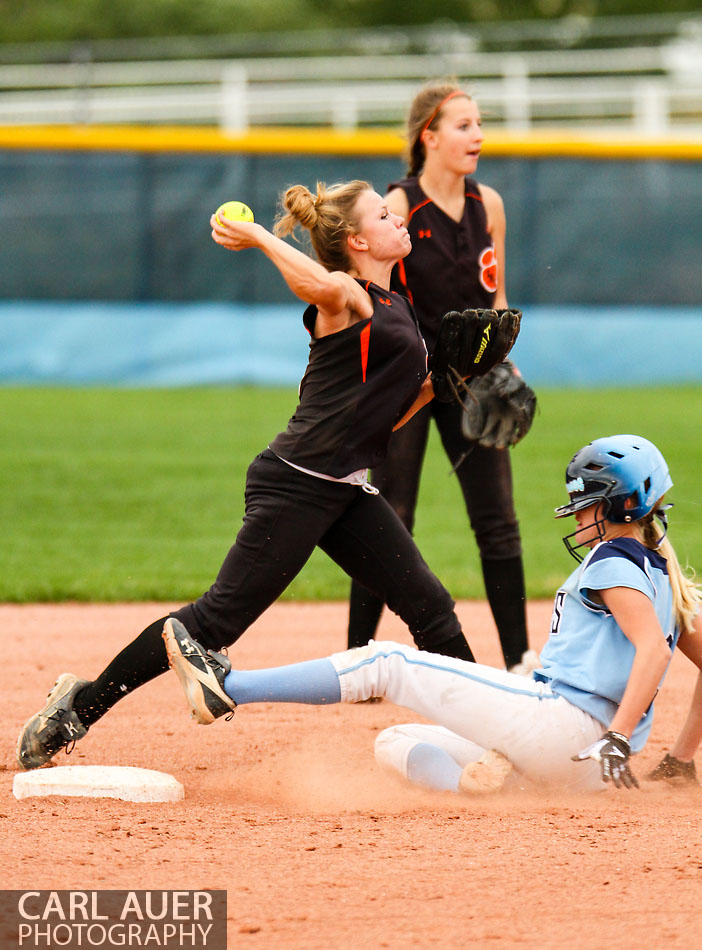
650, 88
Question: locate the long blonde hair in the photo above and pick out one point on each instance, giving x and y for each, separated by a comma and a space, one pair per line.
330, 217
687, 594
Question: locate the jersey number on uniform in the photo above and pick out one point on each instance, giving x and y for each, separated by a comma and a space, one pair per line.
487, 262
557, 613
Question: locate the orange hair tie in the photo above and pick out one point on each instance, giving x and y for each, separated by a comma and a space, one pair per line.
451, 95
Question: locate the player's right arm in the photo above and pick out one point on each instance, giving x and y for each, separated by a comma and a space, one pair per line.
339, 299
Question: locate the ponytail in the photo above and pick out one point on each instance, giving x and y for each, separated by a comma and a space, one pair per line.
687, 595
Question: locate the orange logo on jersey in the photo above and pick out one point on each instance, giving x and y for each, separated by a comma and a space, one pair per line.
385, 300
424, 233
487, 261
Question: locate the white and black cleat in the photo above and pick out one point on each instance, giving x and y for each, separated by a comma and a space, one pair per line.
201, 673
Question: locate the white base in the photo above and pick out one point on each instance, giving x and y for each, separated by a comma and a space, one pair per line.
99, 781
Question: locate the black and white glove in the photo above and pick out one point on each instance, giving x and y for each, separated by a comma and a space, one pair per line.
612, 751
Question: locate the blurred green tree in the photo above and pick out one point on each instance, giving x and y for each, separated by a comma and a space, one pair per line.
67, 20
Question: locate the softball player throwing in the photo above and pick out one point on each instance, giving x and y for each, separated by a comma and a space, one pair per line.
457, 226
367, 374
616, 621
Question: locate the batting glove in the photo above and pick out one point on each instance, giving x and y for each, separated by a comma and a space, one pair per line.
612, 751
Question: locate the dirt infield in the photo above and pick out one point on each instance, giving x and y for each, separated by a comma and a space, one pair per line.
318, 848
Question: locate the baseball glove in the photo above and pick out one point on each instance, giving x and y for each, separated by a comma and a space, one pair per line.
469, 344
499, 407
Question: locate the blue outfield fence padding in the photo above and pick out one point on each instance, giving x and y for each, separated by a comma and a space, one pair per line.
127, 225
169, 344
610, 346
151, 344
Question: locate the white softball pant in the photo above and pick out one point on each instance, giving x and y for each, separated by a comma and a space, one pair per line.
480, 706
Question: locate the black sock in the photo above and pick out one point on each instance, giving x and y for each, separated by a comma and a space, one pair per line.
364, 615
457, 647
142, 660
504, 586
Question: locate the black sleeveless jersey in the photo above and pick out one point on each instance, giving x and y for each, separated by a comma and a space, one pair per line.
452, 264
358, 383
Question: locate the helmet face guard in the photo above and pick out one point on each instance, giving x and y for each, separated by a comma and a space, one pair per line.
600, 517
626, 474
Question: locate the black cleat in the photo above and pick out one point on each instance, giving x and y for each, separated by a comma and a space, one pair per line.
54, 727
673, 771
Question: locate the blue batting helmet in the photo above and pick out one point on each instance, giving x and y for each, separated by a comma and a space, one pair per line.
613, 470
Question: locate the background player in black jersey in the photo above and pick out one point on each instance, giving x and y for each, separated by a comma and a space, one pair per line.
457, 227
367, 373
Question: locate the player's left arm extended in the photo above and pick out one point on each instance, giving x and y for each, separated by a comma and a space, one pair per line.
425, 395
497, 229
636, 616
688, 741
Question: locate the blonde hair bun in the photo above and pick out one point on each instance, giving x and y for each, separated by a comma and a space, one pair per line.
329, 216
300, 204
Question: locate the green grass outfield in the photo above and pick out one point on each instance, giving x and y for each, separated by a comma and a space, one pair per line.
115, 494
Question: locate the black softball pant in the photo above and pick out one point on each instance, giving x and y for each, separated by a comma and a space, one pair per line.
287, 514
485, 478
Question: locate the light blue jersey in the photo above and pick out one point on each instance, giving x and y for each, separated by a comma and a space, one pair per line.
587, 658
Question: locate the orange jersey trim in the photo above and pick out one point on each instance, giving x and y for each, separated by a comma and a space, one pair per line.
417, 207
423, 204
365, 343
402, 274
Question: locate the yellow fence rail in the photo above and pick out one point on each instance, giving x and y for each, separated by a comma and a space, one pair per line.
325, 141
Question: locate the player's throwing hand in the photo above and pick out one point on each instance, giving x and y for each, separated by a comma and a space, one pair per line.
236, 234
